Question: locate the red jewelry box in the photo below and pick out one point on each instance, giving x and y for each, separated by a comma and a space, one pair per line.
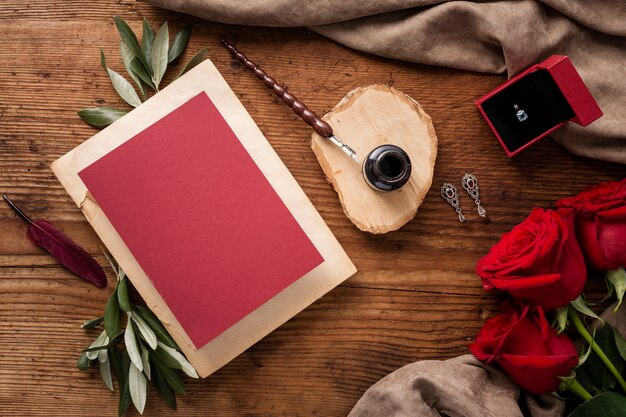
536, 102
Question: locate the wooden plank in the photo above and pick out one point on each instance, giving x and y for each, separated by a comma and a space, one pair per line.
415, 297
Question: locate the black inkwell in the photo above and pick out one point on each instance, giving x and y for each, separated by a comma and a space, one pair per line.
386, 168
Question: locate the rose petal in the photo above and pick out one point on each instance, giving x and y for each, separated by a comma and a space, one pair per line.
524, 283
529, 351
538, 375
587, 231
611, 236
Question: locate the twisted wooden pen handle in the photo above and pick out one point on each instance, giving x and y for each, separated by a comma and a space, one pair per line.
320, 126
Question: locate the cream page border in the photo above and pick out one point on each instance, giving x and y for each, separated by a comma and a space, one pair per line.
336, 266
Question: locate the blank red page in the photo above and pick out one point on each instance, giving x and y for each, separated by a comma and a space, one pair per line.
201, 219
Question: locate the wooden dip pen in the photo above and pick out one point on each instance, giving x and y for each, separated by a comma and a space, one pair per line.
391, 129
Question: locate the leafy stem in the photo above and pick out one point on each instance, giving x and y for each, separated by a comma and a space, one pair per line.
145, 63
573, 386
582, 330
147, 344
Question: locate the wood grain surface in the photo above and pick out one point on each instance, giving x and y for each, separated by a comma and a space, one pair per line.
415, 297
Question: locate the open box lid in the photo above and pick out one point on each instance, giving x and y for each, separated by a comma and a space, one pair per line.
549, 94
574, 90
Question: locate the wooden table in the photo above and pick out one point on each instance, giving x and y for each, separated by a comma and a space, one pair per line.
415, 296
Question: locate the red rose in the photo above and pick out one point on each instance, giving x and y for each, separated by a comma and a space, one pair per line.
538, 261
522, 342
601, 223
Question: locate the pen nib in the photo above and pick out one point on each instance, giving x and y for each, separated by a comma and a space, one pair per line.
344, 148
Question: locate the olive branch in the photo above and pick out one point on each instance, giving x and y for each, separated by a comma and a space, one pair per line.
145, 63
150, 355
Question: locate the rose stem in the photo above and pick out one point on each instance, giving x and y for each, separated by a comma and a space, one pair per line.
575, 388
573, 315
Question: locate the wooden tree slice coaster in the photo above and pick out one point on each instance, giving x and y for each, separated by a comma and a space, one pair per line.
365, 118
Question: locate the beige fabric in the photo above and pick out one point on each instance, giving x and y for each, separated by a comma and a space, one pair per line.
458, 387
486, 36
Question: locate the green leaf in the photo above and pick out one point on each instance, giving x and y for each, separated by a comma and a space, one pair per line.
125, 399
103, 60
132, 347
115, 359
137, 67
179, 44
90, 324
124, 89
127, 56
101, 116
197, 58
138, 386
145, 360
83, 362
147, 38
101, 340
122, 295
105, 374
597, 374
103, 355
182, 361
111, 262
120, 274
145, 331
155, 324
608, 404
166, 392
617, 278
112, 342
129, 37
560, 319
583, 358
580, 305
105, 369
170, 376
620, 344
158, 54
167, 360
112, 315
120, 84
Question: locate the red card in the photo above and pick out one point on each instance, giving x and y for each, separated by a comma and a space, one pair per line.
201, 219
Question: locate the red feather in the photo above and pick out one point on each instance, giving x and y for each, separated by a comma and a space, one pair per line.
45, 235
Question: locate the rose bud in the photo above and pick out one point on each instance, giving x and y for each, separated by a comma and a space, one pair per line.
538, 261
522, 342
601, 223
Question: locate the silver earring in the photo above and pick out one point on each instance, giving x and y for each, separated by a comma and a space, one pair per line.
470, 184
448, 193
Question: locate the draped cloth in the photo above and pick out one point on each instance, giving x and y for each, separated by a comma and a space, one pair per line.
485, 36
457, 387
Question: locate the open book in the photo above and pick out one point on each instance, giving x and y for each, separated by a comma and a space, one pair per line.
207, 222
